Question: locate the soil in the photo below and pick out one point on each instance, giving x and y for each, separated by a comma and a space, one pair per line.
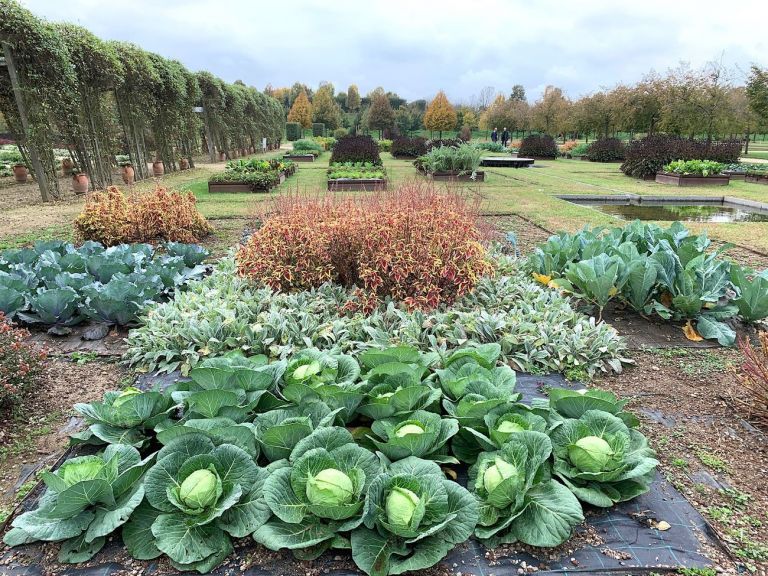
708, 450
37, 433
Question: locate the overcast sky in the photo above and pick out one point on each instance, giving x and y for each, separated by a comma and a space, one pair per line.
416, 48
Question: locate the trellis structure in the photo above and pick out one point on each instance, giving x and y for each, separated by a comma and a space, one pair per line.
61, 85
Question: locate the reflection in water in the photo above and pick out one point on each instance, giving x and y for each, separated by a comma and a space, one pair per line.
689, 212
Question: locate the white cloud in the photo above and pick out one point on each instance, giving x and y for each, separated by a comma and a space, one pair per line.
418, 47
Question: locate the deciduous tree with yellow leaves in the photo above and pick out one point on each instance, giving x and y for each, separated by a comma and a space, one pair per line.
440, 115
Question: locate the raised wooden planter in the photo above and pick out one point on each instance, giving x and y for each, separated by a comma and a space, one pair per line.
357, 184
506, 162
756, 179
300, 157
735, 175
684, 180
214, 187
456, 177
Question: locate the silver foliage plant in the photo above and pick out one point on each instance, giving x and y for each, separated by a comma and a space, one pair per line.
537, 328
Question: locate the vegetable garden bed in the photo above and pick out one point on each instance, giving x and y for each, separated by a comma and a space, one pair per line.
357, 184
756, 179
479, 176
692, 180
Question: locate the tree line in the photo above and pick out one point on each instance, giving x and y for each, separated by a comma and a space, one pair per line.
704, 103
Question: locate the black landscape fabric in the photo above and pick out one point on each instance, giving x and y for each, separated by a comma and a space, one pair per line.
620, 540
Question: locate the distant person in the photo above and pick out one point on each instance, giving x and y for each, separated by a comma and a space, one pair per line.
495, 135
505, 137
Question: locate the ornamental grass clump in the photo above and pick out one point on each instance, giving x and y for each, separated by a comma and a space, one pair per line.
112, 218
415, 245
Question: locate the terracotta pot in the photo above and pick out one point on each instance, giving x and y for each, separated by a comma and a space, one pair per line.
67, 165
157, 168
222, 156
20, 172
80, 183
183, 164
128, 174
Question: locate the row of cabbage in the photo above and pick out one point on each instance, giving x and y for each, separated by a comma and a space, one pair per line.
331, 451
667, 272
59, 285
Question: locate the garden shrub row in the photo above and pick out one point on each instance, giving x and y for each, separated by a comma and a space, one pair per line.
403, 147
111, 217
666, 272
293, 131
250, 448
59, 285
647, 156
538, 146
356, 149
414, 245
605, 150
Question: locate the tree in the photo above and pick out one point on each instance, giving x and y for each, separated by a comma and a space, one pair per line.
353, 98
518, 93
550, 111
325, 109
485, 97
380, 115
407, 119
757, 92
440, 115
301, 111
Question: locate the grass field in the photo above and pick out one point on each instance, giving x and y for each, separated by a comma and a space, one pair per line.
530, 193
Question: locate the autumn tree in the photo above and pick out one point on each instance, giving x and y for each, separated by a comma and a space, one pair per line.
440, 115
301, 111
550, 111
380, 115
325, 110
353, 98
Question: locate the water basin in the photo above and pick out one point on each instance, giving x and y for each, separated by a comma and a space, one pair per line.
671, 209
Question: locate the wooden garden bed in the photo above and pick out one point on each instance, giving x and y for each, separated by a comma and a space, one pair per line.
756, 179
300, 157
736, 175
685, 180
357, 184
214, 187
456, 177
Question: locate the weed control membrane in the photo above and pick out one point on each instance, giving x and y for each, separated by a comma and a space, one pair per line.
655, 532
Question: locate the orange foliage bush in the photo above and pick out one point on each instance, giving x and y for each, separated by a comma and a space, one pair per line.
416, 245
110, 217
569, 145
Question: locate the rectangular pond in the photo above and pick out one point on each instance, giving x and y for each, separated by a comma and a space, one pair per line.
685, 209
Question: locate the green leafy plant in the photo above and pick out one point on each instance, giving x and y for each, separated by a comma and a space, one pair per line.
85, 501
198, 495
421, 434
520, 502
413, 517
601, 460
702, 168
318, 494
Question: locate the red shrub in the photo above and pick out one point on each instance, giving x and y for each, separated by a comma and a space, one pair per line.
20, 363
754, 378
415, 245
110, 217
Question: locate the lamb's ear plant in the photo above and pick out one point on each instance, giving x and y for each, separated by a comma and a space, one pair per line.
601, 460
413, 517
519, 500
318, 493
198, 495
86, 500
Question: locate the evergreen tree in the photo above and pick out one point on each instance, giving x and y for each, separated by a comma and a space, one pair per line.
440, 115
301, 111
